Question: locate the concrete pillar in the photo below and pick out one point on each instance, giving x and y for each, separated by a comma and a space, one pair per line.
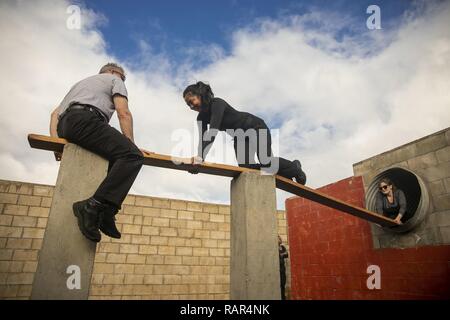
255, 269
80, 173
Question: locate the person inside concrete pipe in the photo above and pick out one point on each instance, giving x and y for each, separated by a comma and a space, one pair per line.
250, 134
390, 201
283, 254
82, 118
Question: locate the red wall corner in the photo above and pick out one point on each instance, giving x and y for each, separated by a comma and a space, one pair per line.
330, 252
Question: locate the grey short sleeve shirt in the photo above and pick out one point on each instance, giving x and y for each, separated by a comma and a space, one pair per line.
97, 91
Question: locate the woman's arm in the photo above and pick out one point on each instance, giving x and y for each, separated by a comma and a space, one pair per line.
202, 126
217, 111
402, 202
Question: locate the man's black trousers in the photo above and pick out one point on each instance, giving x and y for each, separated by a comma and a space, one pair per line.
87, 130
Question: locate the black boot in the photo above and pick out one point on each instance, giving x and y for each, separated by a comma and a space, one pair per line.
300, 176
88, 213
107, 224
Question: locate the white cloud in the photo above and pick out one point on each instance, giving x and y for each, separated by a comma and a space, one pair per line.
335, 102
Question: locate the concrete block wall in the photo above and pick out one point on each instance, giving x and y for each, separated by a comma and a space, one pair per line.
331, 251
170, 249
429, 159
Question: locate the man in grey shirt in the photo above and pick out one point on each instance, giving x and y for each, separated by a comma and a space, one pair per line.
82, 118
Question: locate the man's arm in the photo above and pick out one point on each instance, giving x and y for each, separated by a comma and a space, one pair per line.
124, 115
53, 129
54, 123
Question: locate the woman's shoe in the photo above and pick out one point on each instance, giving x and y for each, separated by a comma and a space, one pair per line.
300, 177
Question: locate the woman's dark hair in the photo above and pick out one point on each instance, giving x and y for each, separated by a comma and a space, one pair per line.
202, 90
388, 182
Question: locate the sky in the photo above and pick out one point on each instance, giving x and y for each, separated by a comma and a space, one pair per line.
333, 91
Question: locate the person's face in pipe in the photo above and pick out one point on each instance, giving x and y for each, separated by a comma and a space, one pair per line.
193, 101
385, 188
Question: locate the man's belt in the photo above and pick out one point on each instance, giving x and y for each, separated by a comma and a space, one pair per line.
85, 107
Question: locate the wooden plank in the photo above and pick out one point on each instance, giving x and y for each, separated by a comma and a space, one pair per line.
169, 162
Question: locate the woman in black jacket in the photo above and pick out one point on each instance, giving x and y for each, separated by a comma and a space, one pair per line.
222, 117
391, 202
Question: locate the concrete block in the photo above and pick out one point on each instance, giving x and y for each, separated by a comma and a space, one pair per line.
15, 210
194, 224
4, 185
8, 198
38, 212
441, 171
431, 143
136, 259
166, 250
404, 153
46, 202
443, 155
80, 173
20, 188
217, 217
25, 255
254, 246
178, 205
143, 201
10, 232
437, 188
439, 219
423, 161
19, 243
168, 232
20, 221
445, 234
447, 185
43, 191
168, 213
210, 208
151, 212
441, 203
194, 206
33, 233
172, 260
29, 200
186, 215
161, 203
5, 220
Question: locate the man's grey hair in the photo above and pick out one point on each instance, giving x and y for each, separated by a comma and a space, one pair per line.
111, 66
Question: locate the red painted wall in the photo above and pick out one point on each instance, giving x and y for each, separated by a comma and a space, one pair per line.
330, 252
